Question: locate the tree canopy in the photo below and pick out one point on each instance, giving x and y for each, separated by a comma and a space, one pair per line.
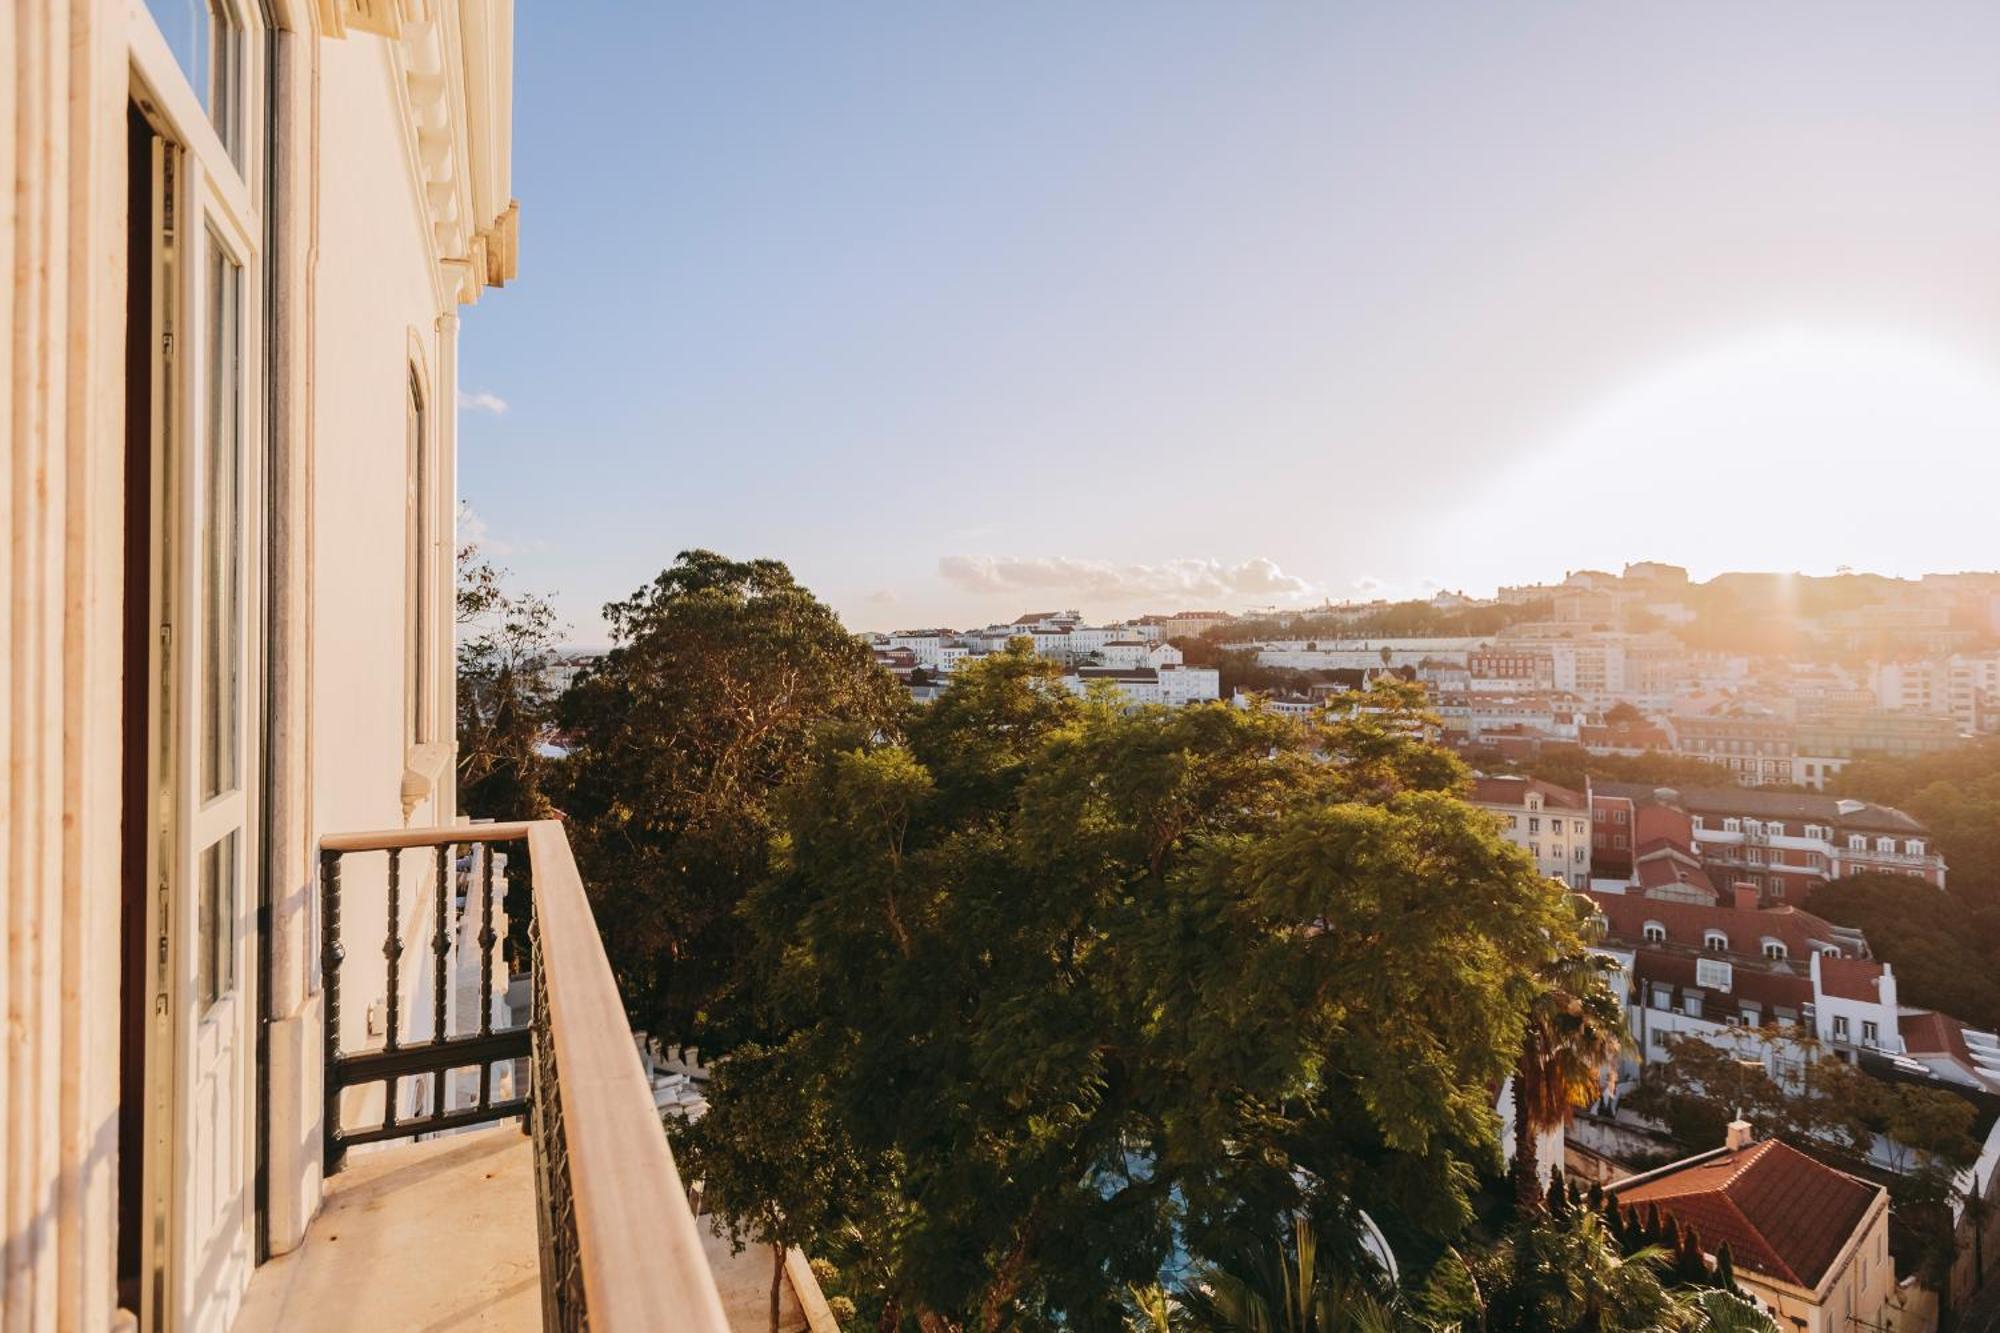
1093, 986
721, 676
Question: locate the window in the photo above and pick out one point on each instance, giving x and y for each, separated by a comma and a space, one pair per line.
1576, 827
1915, 846
1618, 817
1774, 949
1660, 1039
1732, 826
1840, 1027
1618, 841
1582, 854
1871, 1032
1535, 850
1856, 843
1654, 933
1534, 823
419, 564
208, 46
1713, 974
1715, 942
1885, 844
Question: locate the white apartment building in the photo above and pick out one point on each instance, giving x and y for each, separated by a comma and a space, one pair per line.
1963, 687
1551, 822
1173, 685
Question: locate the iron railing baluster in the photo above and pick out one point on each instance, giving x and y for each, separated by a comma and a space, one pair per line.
440, 947
487, 937
330, 955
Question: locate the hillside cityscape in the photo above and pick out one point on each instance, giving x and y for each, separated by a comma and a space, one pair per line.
1774, 797
956, 668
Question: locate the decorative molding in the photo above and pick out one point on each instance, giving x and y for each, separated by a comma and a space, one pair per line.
455, 60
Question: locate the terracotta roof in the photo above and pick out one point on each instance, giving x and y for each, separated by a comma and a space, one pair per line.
1514, 791
1782, 1213
1658, 872
1851, 979
1686, 923
1935, 1034
1770, 805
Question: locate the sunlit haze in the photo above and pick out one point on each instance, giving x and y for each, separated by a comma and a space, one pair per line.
964, 311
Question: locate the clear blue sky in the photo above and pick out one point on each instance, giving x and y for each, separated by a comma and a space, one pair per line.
964, 310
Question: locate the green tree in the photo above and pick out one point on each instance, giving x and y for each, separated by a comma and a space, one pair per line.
721, 676
1575, 1030
1567, 1274
1103, 984
507, 646
1937, 942
768, 1158
1281, 1285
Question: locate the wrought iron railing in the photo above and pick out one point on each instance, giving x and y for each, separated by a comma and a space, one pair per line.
618, 1245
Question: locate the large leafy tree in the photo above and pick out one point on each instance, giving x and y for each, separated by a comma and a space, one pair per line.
720, 676
1104, 985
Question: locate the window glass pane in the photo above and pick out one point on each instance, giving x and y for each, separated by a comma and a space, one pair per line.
221, 590
215, 923
208, 47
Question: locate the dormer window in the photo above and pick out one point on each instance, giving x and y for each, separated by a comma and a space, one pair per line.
1732, 826
1715, 942
1654, 933
1856, 843
1774, 949
1914, 846
1885, 844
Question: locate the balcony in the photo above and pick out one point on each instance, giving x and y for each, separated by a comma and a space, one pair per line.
443, 1208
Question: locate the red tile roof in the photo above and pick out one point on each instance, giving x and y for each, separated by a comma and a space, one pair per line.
1782, 1213
1936, 1034
1688, 923
1851, 979
1514, 791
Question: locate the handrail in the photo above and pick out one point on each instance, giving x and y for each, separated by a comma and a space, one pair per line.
388, 840
637, 1244
620, 1248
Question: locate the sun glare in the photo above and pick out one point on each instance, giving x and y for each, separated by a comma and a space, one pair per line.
1794, 449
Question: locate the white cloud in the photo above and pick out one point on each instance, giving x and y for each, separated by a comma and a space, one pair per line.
485, 400
1367, 585
1073, 578
882, 597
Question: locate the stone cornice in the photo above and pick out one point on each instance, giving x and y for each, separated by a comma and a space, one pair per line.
454, 60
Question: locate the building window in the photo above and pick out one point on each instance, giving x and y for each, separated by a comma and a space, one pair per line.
418, 555
1840, 1027
1715, 942
1774, 949
1534, 824
1915, 846
1618, 841
1654, 933
1660, 1039
1871, 1032
1618, 817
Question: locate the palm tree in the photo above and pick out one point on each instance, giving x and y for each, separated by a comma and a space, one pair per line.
1567, 1273
1576, 1028
1282, 1286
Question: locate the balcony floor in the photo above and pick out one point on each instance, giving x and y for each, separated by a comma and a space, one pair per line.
434, 1236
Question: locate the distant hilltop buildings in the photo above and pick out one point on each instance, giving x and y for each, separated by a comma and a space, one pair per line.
1135, 657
